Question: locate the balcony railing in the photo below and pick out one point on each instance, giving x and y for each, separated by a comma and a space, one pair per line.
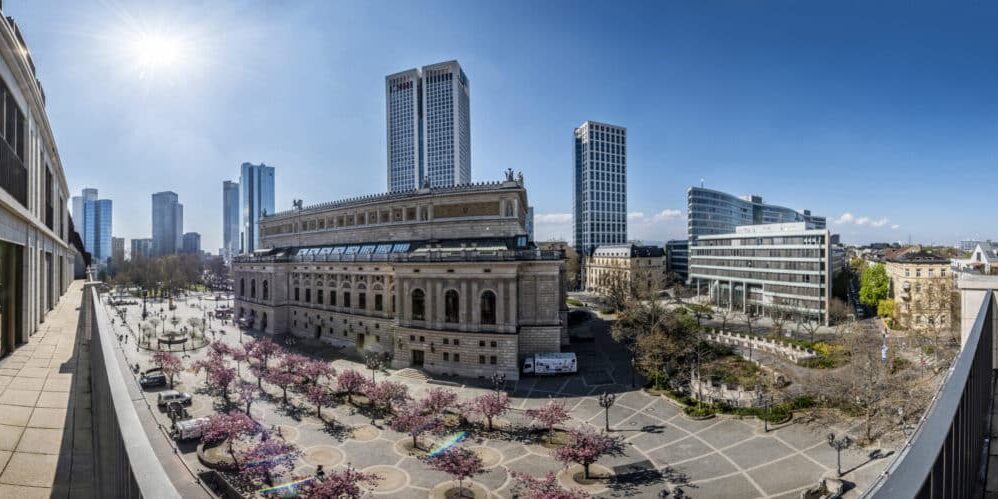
943, 458
125, 464
468, 255
13, 174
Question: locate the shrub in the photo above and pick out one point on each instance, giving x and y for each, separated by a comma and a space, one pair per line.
573, 302
698, 411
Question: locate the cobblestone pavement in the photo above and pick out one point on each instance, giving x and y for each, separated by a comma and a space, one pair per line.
719, 457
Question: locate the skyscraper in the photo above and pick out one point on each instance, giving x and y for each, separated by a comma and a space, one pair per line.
167, 223
94, 218
141, 248
192, 243
428, 114
256, 184
230, 219
117, 250
600, 195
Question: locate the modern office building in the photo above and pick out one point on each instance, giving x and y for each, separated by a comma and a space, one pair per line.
600, 194
37, 247
715, 212
141, 248
428, 117
530, 223
442, 279
167, 223
256, 184
677, 257
768, 268
968, 245
93, 222
230, 219
192, 243
117, 250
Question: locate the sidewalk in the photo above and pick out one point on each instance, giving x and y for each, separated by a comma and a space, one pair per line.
46, 447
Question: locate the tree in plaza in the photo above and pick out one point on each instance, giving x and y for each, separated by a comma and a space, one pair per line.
227, 428
438, 400
587, 447
874, 285
637, 319
750, 318
490, 406
529, 487
247, 393
206, 364
661, 340
549, 415
725, 314
779, 314
412, 419
283, 379
260, 352
351, 381
385, 396
168, 363
239, 355
220, 378
313, 370
459, 463
320, 396
267, 457
345, 484
810, 325
194, 323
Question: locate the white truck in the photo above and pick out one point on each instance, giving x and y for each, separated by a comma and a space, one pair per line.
190, 429
550, 363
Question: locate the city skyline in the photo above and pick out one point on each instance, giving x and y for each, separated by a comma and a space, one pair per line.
851, 116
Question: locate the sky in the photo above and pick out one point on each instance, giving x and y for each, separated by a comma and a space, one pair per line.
881, 116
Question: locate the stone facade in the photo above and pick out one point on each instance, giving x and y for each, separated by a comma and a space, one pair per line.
641, 266
922, 289
445, 281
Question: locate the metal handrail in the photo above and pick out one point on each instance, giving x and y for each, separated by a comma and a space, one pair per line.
942, 458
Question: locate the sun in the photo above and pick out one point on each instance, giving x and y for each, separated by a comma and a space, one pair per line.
158, 51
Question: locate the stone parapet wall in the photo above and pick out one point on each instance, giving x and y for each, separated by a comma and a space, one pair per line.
788, 351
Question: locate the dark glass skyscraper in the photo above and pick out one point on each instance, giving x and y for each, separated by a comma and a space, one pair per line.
230, 218
256, 184
167, 223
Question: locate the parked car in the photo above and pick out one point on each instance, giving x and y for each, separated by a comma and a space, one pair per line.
153, 380
169, 396
190, 429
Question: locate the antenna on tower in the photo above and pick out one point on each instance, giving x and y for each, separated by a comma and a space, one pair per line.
701, 182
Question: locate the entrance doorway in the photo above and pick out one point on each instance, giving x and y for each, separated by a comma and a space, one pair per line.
318, 331
10, 296
360, 341
417, 358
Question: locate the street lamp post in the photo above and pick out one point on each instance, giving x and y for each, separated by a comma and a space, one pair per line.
606, 401
839, 444
498, 382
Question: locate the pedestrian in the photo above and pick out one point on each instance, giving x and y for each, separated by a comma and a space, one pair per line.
319, 472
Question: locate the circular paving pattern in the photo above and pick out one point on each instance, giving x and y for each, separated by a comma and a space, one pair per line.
448, 490
567, 478
489, 456
325, 455
404, 448
287, 433
365, 433
392, 478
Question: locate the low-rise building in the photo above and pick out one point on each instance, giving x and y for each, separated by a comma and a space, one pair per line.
784, 268
628, 264
922, 288
443, 279
984, 259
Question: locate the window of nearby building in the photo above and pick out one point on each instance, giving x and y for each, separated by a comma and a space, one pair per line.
297, 296
446, 341
446, 356
332, 298
346, 299
266, 291
242, 287
418, 305
481, 359
362, 301
308, 295
457, 357
253, 288
318, 296
378, 299
488, 307
492, 359
451, 306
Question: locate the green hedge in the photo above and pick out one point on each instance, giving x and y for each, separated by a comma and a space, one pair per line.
573, 302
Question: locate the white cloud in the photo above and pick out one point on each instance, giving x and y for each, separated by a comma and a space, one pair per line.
553, 226
848, 218
895, 226
879, 222
667, 214
553, 218
635, 215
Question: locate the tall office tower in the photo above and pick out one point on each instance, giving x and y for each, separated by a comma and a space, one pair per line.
714, 212
117, 250
141, 248
428, 113
192, 243
167, 223
94, 225
600, 195
256, 184
230, 219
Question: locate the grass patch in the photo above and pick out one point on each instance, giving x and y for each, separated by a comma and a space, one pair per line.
573, 302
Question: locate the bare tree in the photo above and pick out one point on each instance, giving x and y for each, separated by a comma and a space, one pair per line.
779, 314
811, 326
750, 318
725, 314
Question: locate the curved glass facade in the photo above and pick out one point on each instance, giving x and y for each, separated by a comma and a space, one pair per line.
713, 212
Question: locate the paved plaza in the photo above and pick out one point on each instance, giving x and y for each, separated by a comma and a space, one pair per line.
719, 457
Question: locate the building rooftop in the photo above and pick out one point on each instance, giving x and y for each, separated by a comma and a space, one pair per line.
629, 250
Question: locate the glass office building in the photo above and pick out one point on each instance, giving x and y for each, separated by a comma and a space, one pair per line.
94, 219
600, 195
712, 212
256, 184
167, 223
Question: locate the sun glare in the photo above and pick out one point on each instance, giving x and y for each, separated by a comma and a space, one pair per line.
154, 52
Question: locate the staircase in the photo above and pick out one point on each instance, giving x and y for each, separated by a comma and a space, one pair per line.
413, 374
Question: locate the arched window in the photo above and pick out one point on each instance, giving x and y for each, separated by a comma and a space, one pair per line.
253, 288
242, 287
266, 291
488, 306
451, 306
418, 305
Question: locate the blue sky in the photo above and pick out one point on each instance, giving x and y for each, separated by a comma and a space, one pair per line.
882, 116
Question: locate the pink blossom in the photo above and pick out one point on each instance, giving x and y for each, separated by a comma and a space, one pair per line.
351, 381
247, 394
168, 363
587, 447
220, 378
438, 400
344, 484
227, 428
547, 487
457, 462
410, 418
550, 414
490, 405
320, 396
385, 395
267, 457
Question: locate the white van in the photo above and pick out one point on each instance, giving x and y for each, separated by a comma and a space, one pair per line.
551, 363
190, 429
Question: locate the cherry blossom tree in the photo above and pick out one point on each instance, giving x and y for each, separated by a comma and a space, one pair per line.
549, 415
384, 396
320, 396
587, 447
268, 457
351, 381
207, 364
412, 419
459, 463
438, 400
344, 484
220, 378
490, 405
219, 348
227, 428
261, 351
282, 379
239, 355
529, 487
313, 370
247, 393
168, 363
